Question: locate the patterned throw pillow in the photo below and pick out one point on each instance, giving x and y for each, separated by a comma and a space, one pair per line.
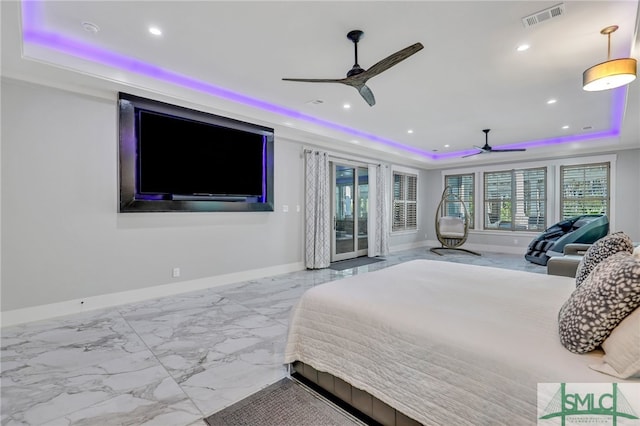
622, 349
605, 298
600, 250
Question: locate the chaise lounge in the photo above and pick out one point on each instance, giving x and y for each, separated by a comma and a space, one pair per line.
567, 264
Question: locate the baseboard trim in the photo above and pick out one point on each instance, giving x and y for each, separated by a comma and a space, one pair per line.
407, 246
471, 246
69, 307
492, 248
75, 306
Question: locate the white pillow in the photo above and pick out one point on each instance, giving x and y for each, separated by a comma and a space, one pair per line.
451, 227
636, 251
622, 349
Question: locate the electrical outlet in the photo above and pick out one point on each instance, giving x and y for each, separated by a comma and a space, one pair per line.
175, 273
285, 208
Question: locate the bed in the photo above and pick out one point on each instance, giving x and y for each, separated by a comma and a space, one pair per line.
440, 342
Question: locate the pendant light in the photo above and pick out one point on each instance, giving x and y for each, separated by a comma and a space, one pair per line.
610, 74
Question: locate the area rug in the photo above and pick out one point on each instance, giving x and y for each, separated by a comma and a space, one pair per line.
354, 263
285, 403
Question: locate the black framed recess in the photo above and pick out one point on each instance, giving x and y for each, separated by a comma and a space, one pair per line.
173, 158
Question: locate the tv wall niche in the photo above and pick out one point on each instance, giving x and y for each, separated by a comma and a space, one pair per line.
178, 159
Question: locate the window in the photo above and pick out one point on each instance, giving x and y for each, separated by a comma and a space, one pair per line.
462, 186
405, 191
515, 200
585, 189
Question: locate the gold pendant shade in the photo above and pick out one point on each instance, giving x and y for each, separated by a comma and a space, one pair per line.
612, 73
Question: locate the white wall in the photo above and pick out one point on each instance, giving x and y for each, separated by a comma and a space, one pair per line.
64, 242
63, 238
403, 240
627, 214
62, 235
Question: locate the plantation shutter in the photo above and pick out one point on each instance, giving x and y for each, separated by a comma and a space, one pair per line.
530, 199
585, 189
405, 193
462, 186
497, 200
412, 204
515, 199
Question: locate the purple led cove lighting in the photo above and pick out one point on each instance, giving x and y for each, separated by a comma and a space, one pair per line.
539, 143
263, 198
31, 21
31, 34
31, 17
617, 113
617, 108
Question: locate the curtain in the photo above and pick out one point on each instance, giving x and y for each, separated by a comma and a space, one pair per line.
317, 210
379, 190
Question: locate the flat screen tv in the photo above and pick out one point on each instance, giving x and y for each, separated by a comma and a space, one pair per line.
178, 159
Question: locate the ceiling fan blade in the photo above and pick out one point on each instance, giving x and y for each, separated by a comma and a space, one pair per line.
487, 149
367, 94
316, 80
391, 60
357, 77
471, 155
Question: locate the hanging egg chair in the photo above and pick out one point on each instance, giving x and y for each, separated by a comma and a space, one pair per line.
452, 226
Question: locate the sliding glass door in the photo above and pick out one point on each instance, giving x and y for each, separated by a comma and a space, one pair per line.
350, 204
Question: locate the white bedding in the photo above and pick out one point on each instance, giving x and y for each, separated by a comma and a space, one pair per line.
444, 343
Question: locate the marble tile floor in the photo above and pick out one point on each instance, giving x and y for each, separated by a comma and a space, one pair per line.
169, 361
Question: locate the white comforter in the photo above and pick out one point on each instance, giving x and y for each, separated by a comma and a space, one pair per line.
444, 343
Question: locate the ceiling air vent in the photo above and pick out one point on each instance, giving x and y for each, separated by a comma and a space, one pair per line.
544, 15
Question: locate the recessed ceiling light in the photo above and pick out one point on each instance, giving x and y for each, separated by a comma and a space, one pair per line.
346, 106
34, 33
552, 101
90, 27
447, 146
155, 31
410, 131
565, 127
523, 47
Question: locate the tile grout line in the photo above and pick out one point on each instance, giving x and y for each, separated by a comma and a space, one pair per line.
161, 364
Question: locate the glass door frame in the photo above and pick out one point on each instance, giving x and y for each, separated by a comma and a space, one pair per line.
355, 205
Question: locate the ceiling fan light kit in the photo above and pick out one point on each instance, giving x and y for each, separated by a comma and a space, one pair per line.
612, 73
357, 76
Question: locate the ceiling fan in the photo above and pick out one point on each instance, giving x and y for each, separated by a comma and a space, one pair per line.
487, 149
357, 77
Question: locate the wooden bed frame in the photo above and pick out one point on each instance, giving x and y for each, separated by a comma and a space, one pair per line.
359, 400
